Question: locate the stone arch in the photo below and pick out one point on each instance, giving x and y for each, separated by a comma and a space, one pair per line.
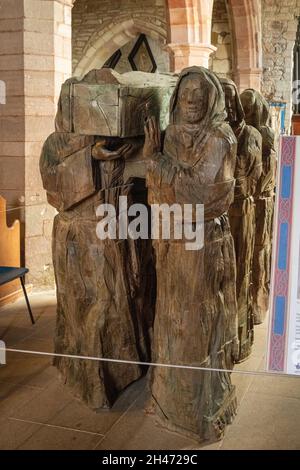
245, 18
112, 37
190, 36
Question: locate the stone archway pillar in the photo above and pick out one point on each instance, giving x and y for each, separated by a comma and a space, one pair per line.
35, 59
47, 64
248, 78
189, 33
186, 55
245, 16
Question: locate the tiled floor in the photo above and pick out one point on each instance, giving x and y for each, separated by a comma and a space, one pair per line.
38, 412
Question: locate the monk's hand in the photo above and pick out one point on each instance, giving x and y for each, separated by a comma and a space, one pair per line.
100, 152
152, 143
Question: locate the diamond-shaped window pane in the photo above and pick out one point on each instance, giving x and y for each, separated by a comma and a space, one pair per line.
141, 57
113, 60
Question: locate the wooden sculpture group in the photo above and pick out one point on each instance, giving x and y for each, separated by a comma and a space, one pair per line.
143, 300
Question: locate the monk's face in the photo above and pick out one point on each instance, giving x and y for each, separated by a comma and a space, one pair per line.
248, 104
192, 100
230, 103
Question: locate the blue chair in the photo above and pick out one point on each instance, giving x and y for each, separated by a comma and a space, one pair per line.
8, 274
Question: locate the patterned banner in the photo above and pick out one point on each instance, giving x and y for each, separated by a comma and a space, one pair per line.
284, 341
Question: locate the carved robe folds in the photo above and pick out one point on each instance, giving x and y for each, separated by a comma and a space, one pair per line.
105, 288
264, 212
242, 223
196, 317
257, 114
242, 212
96, 279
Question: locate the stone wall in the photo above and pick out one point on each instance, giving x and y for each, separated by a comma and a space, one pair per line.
47, 49
279, 27
12, 126
35, 58
221, 60
102, 27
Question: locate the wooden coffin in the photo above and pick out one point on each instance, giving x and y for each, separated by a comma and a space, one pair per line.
117, 109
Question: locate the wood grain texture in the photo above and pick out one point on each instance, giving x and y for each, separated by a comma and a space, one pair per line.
102, 310
109, 104
242, 212
196, 315
257, 114
9, 253
143, 300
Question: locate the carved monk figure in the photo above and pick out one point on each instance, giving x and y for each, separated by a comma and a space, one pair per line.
99, 311
242, 211
195, 316
257, 114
